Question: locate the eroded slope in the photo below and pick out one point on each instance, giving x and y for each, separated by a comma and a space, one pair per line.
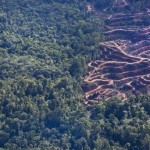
124, 64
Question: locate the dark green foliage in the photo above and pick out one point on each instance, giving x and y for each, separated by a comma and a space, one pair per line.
124, 123
138, 5
44, 48
103, 3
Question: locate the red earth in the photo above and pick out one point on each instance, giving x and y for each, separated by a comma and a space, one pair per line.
124, 64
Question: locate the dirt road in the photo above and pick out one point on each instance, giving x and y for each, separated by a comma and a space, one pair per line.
124, 64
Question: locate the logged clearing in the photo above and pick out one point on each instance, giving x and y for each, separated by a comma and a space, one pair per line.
123, 68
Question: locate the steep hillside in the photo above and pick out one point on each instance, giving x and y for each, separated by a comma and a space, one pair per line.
123, 66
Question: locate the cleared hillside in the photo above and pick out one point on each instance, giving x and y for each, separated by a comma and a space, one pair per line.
123, 66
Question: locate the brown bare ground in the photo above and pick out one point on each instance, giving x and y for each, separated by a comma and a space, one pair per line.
124, 63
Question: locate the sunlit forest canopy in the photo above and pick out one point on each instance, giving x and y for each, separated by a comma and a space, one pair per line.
45, 46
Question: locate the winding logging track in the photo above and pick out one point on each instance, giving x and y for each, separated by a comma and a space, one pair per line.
124, 65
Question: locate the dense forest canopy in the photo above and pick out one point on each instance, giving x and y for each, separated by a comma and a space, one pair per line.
45, 46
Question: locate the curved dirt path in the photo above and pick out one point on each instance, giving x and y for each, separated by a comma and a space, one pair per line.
124, 64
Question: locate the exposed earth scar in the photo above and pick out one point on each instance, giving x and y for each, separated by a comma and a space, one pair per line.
124, 64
